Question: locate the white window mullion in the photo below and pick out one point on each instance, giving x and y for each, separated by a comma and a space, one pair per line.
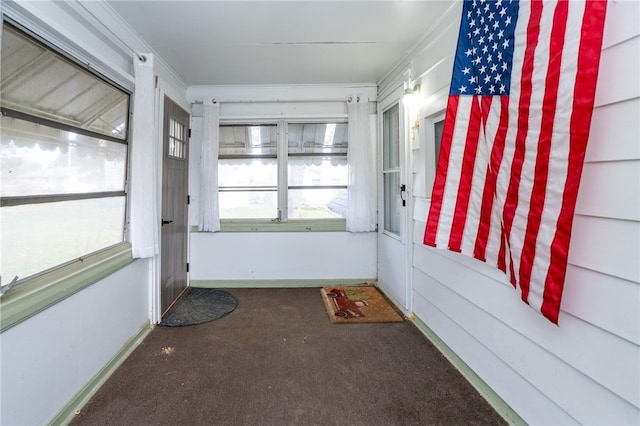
283, 183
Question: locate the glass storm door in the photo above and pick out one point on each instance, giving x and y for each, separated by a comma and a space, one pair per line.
392, 255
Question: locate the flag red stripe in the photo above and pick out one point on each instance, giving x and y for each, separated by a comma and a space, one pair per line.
549, 102
485, 107
584, 95
441, 176
466, 176
511, 202
497, 151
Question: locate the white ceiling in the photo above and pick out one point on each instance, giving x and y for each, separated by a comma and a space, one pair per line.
281, 42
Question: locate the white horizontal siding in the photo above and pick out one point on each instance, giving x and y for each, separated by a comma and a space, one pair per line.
569, 363
607, 302
618, 76
587, 369
612, 123
607, 191
503, 379
606, 245
622, 22
569, 342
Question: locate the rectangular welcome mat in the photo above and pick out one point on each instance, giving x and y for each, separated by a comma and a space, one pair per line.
357, 305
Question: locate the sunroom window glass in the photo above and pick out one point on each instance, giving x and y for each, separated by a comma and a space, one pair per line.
317, 170
39, 82
248, 172
38, 160
37, 237
63, 159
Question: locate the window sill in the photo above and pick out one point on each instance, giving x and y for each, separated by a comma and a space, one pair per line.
42, 291
318, 225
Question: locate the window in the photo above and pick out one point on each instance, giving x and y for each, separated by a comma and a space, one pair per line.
438, 126
434, 126
248, 172
317, 170
63, 159
263, 174
177, 140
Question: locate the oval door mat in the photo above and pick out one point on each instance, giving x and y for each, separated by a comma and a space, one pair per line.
200, 305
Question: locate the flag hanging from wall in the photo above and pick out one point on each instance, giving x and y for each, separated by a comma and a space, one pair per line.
514, 139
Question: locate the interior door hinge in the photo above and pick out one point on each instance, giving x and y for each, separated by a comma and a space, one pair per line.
189, 131
188, 199
187, 266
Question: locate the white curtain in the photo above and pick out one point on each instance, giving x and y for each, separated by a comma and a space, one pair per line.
209, 217
144, 229
361, 200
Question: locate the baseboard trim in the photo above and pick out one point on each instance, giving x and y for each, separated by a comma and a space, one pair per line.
480, 385
76, 403
280, 283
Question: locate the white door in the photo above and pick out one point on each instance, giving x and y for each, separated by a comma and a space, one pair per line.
393, 268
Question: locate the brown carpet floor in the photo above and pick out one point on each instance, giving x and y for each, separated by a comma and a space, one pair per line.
277, 360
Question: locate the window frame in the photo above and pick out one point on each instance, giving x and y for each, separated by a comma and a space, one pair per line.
282, 222
39, 291
430, 144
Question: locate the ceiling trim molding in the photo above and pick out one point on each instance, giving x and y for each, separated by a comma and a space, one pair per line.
390, 78
281, 92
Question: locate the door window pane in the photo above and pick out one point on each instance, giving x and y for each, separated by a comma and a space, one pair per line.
392, 202
391, 138
177, 139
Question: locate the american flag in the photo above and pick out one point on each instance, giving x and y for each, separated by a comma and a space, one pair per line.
514, 139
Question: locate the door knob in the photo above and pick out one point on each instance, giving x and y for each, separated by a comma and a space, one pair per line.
166, 222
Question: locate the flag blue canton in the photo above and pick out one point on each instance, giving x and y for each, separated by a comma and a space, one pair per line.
485, 48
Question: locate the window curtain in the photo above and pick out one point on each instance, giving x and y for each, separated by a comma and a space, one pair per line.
361, 200
209, 217
144, 229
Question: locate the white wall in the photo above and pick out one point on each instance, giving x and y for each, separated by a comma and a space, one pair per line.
48, 358
587, 369
268, 256
242, 256
52, 355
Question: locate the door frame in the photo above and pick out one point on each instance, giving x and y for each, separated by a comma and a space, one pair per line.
406, 227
